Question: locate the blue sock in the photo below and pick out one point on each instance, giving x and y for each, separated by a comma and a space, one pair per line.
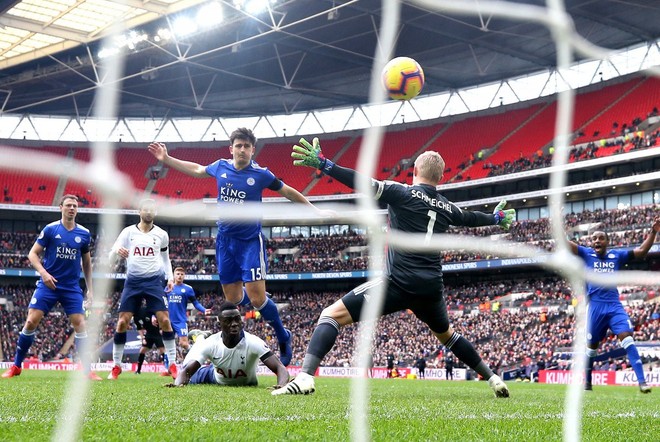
25, 340
272, 317
634, 359
244, 300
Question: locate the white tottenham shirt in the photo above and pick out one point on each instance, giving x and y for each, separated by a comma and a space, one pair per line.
233, 366
147, 252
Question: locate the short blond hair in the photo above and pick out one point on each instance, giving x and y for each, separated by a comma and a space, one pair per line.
430, 166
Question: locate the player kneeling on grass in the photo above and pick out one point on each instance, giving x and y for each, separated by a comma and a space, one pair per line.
234, 355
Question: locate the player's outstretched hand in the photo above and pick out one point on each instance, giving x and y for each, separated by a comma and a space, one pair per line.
309, 155
504, 218
159, 150
172, 385
656, 224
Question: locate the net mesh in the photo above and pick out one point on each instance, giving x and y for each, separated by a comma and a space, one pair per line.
116, 191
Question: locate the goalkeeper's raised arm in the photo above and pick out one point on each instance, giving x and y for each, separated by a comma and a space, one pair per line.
429, 173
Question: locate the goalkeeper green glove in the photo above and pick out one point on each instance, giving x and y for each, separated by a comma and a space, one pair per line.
503, 218
310, 155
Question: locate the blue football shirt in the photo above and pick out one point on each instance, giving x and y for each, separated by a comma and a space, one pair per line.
178, 300
235, 187
63, 250
612, 261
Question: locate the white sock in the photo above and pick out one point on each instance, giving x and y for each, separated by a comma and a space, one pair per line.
170, 349
117, 353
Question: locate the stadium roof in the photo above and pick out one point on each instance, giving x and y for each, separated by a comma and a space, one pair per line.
195, 58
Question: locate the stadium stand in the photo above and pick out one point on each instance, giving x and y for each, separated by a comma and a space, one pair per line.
626, 227
637, 102
28, 188
606, 122
173, 183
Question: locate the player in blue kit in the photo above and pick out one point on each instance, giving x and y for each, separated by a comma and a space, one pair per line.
65, 246
178, 298
605, 309
240, 246
148, 269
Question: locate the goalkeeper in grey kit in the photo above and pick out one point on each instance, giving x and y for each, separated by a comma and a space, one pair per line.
414, 279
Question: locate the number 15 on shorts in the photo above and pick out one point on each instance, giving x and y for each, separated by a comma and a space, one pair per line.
256, 274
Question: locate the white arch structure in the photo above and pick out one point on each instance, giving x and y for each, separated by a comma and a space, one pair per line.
83, 128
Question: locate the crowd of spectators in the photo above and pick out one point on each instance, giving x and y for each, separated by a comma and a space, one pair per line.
346, 252
624, 141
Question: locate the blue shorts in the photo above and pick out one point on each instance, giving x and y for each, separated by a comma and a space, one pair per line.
71, 299
181, 329
205, 375
241, 260
150, 289
604, 315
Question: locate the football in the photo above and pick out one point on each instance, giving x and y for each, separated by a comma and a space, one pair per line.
403, 78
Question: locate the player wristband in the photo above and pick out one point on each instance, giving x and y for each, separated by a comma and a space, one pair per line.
326, 166
498, 216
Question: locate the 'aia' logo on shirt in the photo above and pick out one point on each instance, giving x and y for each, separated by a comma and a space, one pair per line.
143, 251
238, 374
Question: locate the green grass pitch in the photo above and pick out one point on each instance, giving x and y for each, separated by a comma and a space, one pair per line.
139, 408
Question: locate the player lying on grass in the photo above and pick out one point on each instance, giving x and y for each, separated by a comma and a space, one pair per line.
413, 279
234, 355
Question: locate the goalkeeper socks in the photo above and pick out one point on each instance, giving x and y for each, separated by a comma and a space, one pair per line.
25, 340
118, 344
270, 314
140, 362
323, 339
464, 351
633, 357
170, 346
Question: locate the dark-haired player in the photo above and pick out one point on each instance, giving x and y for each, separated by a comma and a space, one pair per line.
414, 279
65, 247
148, 269
240, 247
234, 355
605, 309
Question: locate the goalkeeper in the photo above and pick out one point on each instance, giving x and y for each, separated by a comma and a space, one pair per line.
414, 279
